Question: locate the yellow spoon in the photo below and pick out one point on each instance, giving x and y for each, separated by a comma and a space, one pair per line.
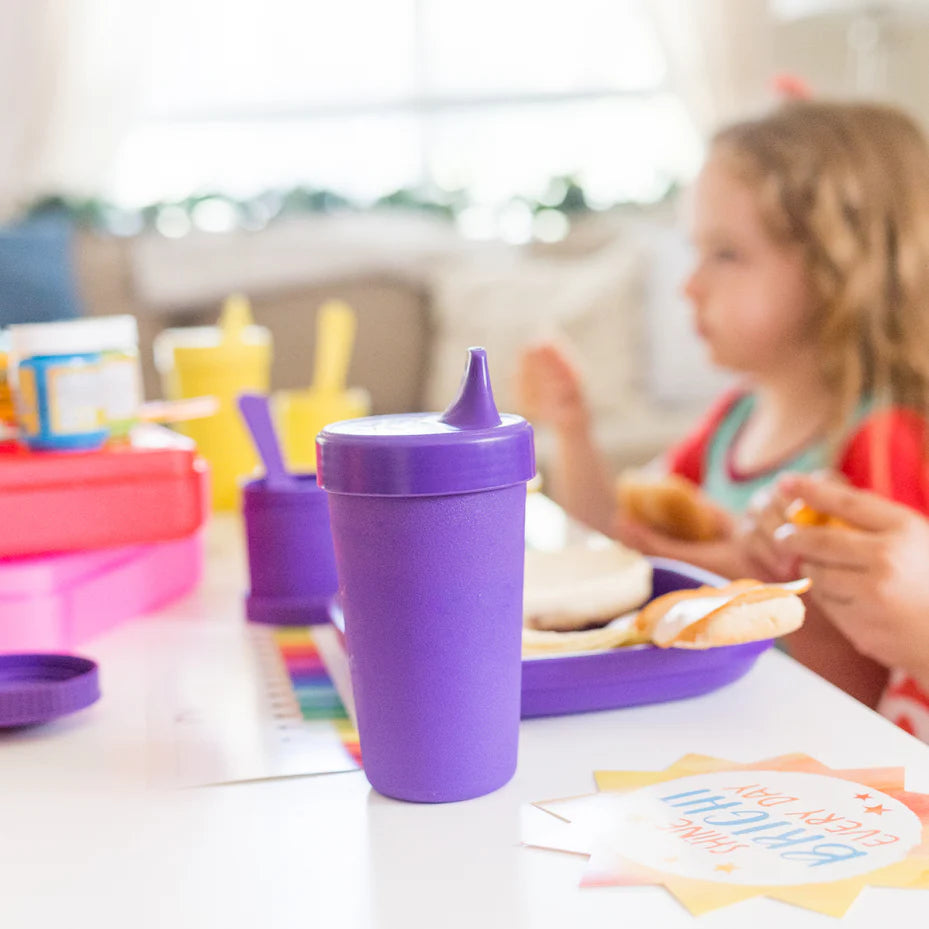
301, 414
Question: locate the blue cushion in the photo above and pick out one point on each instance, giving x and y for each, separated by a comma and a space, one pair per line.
37, 282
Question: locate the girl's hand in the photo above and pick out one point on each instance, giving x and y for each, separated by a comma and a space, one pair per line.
722, 556
766, 557
550, 390
870, 581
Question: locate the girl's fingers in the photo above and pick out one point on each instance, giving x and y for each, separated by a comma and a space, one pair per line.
721, 557
769, 519
843, 591
772, 564
643, 538
827, 545
859, 507
636, 534
830, 586
765, 515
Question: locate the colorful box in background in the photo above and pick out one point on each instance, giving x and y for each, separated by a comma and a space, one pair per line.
75, 383
60, 601
153, 489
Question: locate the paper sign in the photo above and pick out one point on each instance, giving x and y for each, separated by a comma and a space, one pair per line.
714, 832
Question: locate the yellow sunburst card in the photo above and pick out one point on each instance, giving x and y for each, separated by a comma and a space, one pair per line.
714, 832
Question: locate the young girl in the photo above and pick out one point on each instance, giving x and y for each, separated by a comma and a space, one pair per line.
811, 227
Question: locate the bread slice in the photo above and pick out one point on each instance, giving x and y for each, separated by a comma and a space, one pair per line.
581, 587
669, 503
743, 611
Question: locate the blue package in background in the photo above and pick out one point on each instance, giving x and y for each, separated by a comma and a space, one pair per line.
37, 282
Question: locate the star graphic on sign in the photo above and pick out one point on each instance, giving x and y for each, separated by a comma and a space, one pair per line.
880, 810
862, 796
728, 867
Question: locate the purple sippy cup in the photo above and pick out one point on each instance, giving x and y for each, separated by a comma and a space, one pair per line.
428, 522
290, 559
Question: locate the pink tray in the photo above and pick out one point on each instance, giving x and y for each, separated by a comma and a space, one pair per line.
55, 601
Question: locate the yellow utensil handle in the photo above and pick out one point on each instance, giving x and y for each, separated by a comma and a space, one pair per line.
335, 338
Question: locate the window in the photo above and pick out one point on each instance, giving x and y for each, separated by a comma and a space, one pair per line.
363, 97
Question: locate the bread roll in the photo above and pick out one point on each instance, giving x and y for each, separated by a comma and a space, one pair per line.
669, 503
580, 587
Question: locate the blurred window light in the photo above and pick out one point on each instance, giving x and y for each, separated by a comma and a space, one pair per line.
368, 96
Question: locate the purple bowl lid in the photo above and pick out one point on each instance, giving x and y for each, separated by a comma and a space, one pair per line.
467, 448
38, 688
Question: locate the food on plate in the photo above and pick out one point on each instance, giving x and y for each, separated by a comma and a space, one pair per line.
621, 631
704, 617
802, 514
669, 503
583, 587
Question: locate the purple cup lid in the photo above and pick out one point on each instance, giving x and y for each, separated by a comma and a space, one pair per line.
469, 447
41, 687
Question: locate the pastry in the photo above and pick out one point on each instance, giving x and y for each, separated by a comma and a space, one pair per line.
669, 503
704, 617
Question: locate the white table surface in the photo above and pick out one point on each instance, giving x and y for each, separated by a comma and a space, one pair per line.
85, 840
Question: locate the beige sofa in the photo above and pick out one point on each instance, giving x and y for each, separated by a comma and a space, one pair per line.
422, 295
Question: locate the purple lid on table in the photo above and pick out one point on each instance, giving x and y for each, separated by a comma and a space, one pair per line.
41, 687
469, 447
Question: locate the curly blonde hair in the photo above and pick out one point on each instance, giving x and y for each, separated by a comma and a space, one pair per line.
849, 183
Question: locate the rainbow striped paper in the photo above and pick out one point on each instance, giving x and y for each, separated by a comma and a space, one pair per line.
313, 687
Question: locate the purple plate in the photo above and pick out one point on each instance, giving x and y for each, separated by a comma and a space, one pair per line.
640, 673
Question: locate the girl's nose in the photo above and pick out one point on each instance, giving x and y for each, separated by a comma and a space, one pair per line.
692, 288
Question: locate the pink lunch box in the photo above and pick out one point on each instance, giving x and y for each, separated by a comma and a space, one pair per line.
59, 601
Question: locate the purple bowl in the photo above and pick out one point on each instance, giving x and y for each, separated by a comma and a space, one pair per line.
638, 674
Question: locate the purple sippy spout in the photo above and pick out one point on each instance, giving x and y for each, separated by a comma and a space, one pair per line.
474, 407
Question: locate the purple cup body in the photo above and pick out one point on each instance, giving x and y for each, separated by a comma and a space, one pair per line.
291, 563
428, 522
431, 590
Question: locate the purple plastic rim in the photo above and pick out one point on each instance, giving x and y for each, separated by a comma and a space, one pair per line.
279, 494
36, 688
289, 611
635, 676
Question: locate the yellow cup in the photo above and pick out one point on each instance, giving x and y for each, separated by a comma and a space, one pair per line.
301, 414
219, 361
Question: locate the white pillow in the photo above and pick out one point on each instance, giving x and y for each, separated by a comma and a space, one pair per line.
592, 301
